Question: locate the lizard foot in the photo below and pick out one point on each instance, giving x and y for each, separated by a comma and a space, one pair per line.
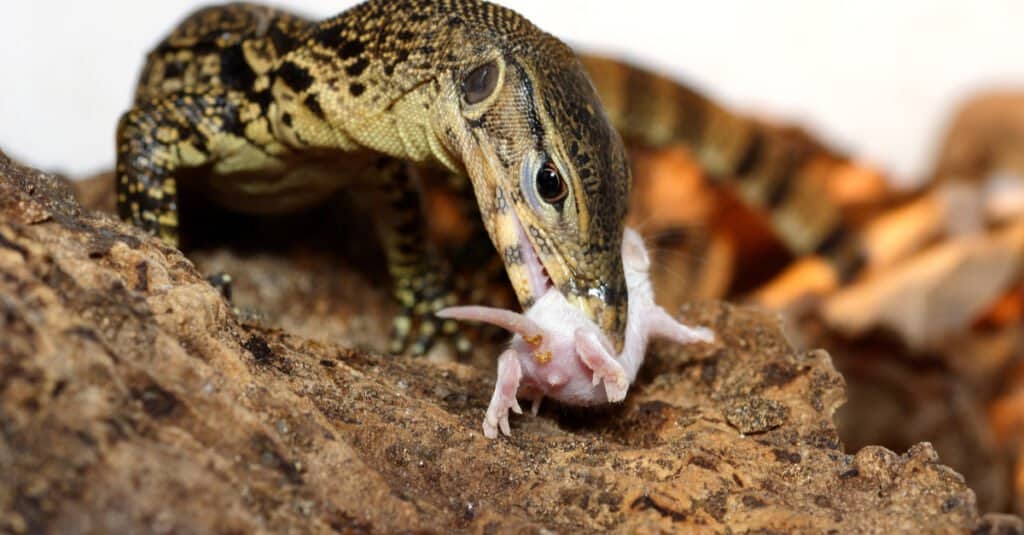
504, 398
417, 327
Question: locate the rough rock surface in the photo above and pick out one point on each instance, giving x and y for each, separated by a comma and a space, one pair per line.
133, 399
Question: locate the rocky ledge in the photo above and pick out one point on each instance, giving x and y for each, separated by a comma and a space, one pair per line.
134, 398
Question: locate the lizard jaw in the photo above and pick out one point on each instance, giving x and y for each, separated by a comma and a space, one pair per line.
531, 274
537, 276
532, 280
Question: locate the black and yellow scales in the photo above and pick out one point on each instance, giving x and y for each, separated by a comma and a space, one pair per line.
265, 111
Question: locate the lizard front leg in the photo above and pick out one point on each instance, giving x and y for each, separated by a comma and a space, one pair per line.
156, 140
147, 192
421, 282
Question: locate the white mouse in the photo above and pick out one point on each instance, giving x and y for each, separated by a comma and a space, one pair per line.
558, 353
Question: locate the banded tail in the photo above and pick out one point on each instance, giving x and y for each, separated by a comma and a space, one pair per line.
782, 171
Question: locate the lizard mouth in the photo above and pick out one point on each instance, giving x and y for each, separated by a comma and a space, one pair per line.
536, 274
539, 284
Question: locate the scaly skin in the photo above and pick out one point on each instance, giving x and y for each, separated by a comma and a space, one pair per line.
265, 111
776, 170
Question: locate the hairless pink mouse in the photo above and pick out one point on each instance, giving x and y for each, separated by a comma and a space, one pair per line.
559, 353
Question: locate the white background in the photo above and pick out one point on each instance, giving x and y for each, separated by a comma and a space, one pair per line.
877, 78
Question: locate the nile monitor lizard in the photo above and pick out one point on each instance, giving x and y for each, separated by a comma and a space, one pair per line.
266, 111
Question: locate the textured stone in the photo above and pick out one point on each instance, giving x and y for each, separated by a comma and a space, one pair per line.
134, 399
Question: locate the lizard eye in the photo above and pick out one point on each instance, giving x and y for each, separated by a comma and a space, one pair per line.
480, 82
550, 184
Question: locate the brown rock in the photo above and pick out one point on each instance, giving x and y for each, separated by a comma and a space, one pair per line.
133, 399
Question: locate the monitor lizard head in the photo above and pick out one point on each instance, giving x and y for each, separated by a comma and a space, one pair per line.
479, 89
549, 171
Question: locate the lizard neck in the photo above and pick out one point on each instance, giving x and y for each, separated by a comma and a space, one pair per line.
372, 78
